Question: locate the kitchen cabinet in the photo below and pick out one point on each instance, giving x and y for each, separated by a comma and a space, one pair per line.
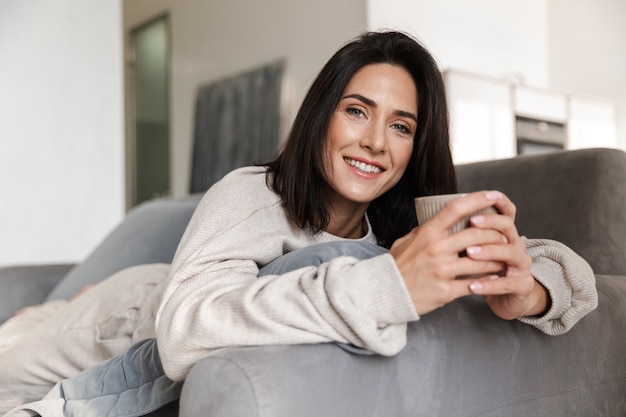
493, 118
592, 123
482, 125
540, 104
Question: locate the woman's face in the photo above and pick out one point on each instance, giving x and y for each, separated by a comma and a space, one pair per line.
370, 135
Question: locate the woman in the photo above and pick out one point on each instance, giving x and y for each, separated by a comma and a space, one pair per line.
322, 244
371, 135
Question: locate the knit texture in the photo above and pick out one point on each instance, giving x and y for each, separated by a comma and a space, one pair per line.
569, 280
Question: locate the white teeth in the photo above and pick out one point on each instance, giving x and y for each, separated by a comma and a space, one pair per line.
362, 166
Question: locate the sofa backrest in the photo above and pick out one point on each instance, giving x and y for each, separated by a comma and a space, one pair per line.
150, 233
575, 197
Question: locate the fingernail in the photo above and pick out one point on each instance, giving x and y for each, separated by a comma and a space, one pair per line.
494, 277
493, 195
504, 239
476, 286
477, 219
473, 250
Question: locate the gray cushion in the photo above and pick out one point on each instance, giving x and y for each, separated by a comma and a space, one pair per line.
150, 233
26, 285
574, 197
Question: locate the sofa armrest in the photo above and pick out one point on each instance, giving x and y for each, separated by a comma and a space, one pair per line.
21, 286
575, 197
460, 360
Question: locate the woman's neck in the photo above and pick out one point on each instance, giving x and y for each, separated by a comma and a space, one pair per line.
350, 225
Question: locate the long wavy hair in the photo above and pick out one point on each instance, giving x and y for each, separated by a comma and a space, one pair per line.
298, 174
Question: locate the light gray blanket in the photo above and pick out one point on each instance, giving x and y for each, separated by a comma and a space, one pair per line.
126, 385
13, 395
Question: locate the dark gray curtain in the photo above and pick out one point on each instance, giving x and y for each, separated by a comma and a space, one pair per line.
237, 123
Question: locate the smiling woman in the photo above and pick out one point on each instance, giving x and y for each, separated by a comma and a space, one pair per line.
322, 244
305, 151
370, 136
369, 140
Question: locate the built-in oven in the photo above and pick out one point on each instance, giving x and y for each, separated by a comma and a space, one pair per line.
536, 136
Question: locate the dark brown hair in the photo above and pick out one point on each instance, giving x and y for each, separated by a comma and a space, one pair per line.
298, 173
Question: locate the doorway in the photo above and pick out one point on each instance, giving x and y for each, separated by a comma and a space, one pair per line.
148, 142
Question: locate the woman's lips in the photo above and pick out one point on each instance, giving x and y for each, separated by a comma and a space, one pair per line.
363, 166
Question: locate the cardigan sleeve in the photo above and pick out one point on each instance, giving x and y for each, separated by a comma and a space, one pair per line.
569, 280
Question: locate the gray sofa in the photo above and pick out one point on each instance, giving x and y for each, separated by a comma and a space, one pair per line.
460, 360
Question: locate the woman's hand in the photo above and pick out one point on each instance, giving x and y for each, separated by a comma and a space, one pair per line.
515, 293
428, 259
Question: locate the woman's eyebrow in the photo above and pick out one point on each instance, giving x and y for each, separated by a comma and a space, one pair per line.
372, 103
364, 99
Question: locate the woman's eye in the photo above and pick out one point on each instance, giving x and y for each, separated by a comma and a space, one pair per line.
405, 130
353, 111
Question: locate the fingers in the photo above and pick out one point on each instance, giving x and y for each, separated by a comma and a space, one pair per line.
503, 224
464, 266
508, 297
514, 296
511, 251
473, 239
465, 206
496, 285
438, 293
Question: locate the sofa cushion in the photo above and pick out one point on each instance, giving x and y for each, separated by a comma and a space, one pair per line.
574, 197
150, 233
26, 285
102, 322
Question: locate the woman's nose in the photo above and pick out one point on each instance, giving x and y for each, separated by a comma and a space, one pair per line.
374, 139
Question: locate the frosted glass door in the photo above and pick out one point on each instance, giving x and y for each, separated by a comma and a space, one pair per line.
150, 85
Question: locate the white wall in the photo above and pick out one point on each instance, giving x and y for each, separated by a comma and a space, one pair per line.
61, 137
587, 51
489, 37
211, 40
573, 46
